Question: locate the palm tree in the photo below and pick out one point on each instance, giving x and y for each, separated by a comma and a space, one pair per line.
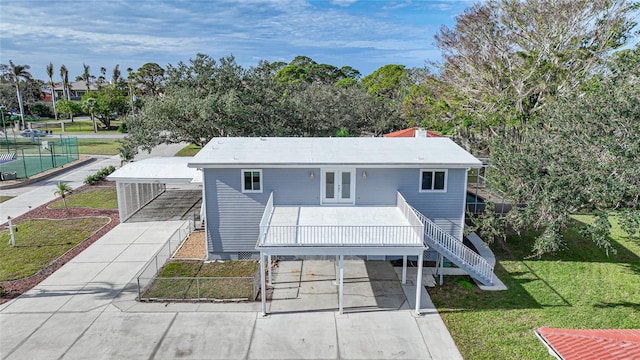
103, 77
130, 85
66, 87
53, 88
64, 75
86, 76
63, 189
91, 105
18, 72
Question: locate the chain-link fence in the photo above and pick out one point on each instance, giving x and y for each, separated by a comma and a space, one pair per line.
202, 288
22, 160
153, 266
154, 288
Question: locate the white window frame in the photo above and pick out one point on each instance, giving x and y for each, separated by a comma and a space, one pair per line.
433, 180
242, 180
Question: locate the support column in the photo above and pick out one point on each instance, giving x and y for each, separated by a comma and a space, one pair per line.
419, 282
441, 268
404, 269
337, 270
122, 202
269, 267
263, 288
341, 285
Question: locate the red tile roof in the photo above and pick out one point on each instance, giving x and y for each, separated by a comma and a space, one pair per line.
614, 344
411, 132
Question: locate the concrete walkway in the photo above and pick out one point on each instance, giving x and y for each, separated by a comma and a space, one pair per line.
87, 309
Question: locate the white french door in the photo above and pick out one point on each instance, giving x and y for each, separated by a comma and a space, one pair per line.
338, 186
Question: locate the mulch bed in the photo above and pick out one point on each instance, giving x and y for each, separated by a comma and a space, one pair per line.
15, 288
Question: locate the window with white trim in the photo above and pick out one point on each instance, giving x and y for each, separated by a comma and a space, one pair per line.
251, 181
433, 180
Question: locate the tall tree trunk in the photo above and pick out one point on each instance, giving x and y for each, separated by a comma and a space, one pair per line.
53, 101
19, 94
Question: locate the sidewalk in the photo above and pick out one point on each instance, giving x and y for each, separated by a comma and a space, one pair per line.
33, 195
87, 309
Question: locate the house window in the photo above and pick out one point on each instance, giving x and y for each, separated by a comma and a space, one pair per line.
433, 180
251, 181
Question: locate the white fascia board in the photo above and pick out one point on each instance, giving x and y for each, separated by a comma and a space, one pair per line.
173, 181
318, 165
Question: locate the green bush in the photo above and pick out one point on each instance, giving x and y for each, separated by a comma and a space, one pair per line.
99, 176
41, 110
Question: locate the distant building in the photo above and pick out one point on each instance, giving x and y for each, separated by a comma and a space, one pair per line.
415, 131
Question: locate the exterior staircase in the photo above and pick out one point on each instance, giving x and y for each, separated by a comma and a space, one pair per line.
454, 250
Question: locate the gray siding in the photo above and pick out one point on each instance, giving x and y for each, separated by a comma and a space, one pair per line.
445, 209
233, 217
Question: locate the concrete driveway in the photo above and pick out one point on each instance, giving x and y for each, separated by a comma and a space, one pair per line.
87, 309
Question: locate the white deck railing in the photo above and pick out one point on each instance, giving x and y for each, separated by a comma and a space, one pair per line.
455, 247
410, 215
340, 235
266, 217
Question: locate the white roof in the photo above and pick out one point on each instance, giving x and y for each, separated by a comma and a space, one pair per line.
363, 151
167, 170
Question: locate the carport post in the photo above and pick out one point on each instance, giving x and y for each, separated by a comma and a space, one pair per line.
404, 269
440, 273
419, 282
341, 285
337, 270
263, 288
269, 267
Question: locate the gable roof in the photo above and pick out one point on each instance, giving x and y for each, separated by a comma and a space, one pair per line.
605, 344
411, 132
339, 151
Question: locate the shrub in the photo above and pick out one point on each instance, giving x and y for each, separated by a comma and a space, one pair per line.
100, 175
41, 110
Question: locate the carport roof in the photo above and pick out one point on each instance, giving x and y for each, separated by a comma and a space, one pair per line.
167, 170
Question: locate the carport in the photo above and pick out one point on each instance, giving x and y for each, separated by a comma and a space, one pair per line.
139, 183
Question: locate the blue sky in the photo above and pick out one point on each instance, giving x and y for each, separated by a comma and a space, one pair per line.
362, 34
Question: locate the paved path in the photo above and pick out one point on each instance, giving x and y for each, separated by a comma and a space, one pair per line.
87, 309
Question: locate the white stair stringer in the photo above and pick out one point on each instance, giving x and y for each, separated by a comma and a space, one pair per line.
454, 250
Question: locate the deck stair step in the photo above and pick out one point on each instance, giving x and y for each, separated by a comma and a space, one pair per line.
454, 250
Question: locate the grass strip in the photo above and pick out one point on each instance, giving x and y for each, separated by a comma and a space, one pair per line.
98, 146
580, 287
189, 150
188, 279
40, 241
95, 198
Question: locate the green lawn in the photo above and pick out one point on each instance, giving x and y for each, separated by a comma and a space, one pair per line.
4, 198
218, 280
189, 150
96, 198
578, 288
40, 241
98, 146
85, 127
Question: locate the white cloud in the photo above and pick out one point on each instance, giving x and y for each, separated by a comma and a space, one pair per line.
343, 2
166, 31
